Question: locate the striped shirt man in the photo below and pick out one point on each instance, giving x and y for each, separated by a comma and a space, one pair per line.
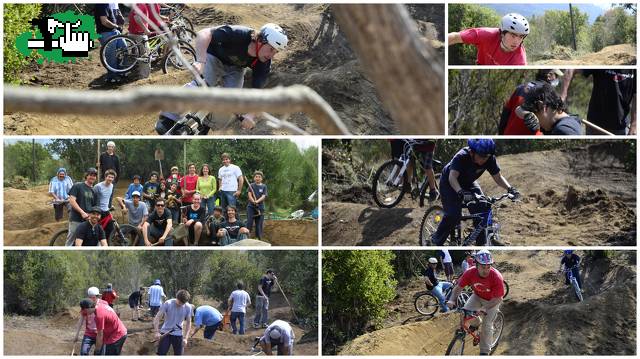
60, 188
156, 293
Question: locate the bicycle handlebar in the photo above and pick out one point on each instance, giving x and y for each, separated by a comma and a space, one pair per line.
491, 200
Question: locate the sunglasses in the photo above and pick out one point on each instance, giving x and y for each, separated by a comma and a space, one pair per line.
159, 205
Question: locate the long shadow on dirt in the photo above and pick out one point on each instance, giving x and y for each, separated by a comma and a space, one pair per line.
381, 223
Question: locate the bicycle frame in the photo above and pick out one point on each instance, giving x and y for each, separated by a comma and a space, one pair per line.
486, 221
465, 328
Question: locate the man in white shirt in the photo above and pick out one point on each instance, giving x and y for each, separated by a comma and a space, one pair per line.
230, 182
156, 295
279, 334
238, 301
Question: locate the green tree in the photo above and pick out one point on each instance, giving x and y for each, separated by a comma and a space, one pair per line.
21, 163
464, 16
16, 21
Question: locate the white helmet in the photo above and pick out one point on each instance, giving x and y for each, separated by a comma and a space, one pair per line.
433, 260
515, 23
93, 291
111, 143
274, 35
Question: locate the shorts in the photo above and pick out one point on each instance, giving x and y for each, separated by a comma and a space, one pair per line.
448, 268
133, 303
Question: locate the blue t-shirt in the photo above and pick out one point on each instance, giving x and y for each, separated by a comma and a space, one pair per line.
469, 171
568, 126
132, 188
207, 315
259, 190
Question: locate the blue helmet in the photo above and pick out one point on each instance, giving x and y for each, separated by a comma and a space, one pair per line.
484, 257
483, 146
568, 251
156, 282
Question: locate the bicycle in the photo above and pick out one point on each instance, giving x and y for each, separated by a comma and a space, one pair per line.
121, 235
433, 216
175, 13
574, 283
456, 347
427, 304
391, 180
126, 52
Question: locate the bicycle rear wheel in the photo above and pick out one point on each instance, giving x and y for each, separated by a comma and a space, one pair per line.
119, 54
386, 193
429, 224
498, 325
456, 347
173, 63
59, 238
576, 289
506, 289
426, 304
127, 236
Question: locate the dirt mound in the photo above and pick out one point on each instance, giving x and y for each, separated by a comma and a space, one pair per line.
299, 232
582, 196
542, 317
624, 54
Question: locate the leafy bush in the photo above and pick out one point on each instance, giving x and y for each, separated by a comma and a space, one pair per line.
464, 16
16, 21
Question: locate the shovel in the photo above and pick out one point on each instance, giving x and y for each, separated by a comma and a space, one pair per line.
258, 212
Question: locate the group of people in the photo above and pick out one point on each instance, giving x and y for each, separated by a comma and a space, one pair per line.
172, 319
201, 202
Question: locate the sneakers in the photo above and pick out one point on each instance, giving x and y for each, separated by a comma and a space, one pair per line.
264, 325
256, 326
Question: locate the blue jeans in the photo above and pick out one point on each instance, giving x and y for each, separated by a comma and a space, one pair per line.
227, 239
438, 292
86, 344
168, 341
239, 316
251, 211
452, 206
210, 331
111, 51
227, 199
262, 308
209, 203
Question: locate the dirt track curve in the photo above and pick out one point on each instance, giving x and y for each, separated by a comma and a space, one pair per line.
623, 54
572, 197
541, 316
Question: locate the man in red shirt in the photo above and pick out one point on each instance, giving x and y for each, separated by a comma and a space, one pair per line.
111, 332
497, 46
110, 295
89, 337
141, 30
488, 290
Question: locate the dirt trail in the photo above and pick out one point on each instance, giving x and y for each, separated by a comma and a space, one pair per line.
318, 56
54, 335
572, 197
31, 223
541, 316
623, 54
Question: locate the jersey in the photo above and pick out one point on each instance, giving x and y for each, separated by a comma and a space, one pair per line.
510, 124
487, 41
486, 288
469, 171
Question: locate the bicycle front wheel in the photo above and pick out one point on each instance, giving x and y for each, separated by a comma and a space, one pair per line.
172, 62
498, 325
576, 289
119, 54
388, 185
430, 222
456, 347
123, 235
426, 304
59, 238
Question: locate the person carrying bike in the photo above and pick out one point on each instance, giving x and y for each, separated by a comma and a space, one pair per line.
571, 262
458, 185
425, 148
436, 286
59, 187
488, 290
223, 53
497, 46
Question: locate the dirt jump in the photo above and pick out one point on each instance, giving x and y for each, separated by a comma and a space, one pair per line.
318, 56
542, 316
577, 197
31, 223
54, 335
623, 54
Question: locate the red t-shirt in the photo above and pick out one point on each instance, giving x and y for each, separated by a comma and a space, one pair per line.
515, 125
487, 41
109, 297
486, 288
188, 183
134, 28
107, 320
90, 321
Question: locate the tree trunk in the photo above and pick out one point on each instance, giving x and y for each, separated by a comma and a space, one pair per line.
408, 74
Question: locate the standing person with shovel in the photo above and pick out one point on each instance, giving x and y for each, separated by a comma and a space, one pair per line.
255, 207
262, 299
176, 312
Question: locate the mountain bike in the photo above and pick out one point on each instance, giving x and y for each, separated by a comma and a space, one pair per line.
121, 235
391, 180
175, 13
456, 347
433, 216
125, 52
427, 304
574, 283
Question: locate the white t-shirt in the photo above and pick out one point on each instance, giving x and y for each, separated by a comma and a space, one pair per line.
104, 193
240, 301
287, 335
447, 256
228, 176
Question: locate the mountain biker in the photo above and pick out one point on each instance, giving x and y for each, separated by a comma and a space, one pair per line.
110, 161
81, 198
570, 261
262, 298
136, 210
424, 148
208, 317
59, 187
194, 218
104, 193
224, 52
510, 123
497, 46
612, 105
111, 332
110, 295
156, 295
238, 301
488, 290
158, 226
135, 302
140, 30
175, 312
543, 108
90, 232
279, 334
436, 286
458, 185
89, 319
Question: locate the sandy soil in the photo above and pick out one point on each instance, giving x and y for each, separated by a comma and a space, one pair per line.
623, 54
578, 197
31, 223
54, 335
318, 56
541, 316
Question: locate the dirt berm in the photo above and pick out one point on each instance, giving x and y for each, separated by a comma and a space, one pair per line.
542, 317
31, 223
576, 197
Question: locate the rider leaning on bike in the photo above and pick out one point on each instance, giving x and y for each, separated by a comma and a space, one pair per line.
488, 290
223, 54
425, 148
570, 261
458, 184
